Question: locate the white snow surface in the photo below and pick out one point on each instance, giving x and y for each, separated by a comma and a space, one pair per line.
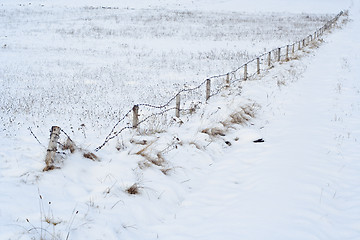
315, 6
301, 183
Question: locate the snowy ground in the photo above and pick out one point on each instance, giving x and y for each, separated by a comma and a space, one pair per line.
301, 183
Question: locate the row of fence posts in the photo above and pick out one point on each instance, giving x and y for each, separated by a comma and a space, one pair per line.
277, 55
55, 130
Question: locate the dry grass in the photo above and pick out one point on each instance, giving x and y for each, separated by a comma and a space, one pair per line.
157, 160
91, 156
195, 144
144, 164
214, 131
242, 117
49, 168
133, 189
166, 171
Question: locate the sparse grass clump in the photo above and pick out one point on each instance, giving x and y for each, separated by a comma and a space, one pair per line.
133, 189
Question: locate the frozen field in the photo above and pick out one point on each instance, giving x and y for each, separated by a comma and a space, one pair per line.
74, 66
82, 65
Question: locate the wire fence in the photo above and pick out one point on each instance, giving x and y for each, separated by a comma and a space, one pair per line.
190, 98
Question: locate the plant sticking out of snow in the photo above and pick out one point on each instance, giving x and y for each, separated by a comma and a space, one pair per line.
133, 189
49, 230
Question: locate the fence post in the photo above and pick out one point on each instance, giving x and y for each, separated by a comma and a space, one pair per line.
135, 116
304, 42
245, 72
177, 109
208, 85
293, 48
287, 53
52, 148
299, 46
228, 79
269, 59
258, 65
279, 54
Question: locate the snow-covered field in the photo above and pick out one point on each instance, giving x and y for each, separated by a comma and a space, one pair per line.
82, 65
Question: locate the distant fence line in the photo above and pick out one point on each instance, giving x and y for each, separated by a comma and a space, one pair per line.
246, 71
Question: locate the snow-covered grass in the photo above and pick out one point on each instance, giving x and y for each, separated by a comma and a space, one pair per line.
80, 66
201, 179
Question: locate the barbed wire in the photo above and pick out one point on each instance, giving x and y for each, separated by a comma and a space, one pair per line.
33, 134
273, 55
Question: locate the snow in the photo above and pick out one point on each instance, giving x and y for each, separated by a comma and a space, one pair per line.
317, 6
301, 183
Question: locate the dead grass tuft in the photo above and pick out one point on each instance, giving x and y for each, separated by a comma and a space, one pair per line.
90, 156
157, 160
166, 171
239, 118
195, 144
49, 168
133, 189
214, 131
144, 164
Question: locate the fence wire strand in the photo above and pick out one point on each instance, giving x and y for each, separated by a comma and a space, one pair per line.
264, 58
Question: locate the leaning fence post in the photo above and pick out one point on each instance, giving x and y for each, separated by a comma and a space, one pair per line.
258, 65
135, 116
245, 72
208, 85
177, 108
52, 148
279, 52
269, 59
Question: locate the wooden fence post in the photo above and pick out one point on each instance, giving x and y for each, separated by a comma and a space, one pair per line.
287, 53
269, 59
135, 116
245, 72
52, 148
177, 109
258, 65
293, 48
228, 79
208, 85
299, 46
304, 42
279, 54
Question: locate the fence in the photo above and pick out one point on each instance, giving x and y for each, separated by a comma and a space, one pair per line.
213, 85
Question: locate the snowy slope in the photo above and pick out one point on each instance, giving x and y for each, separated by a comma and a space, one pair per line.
301, 183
